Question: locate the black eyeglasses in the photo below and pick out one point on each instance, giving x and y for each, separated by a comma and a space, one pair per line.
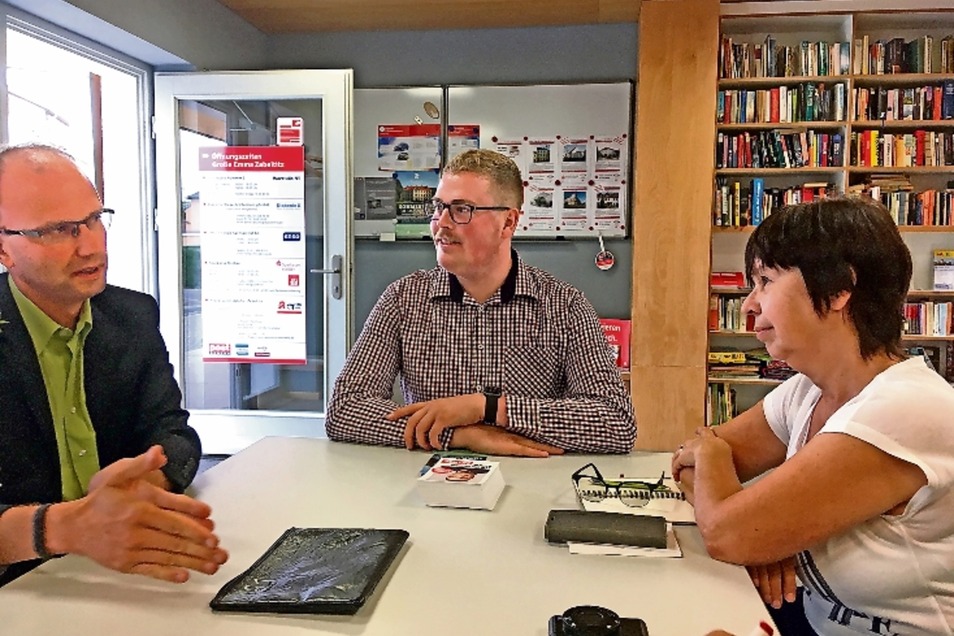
63, 230
461, 212
632, 492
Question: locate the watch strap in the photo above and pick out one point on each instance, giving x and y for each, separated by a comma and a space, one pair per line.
490, 406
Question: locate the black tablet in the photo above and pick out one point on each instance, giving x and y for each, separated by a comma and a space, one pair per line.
314, 571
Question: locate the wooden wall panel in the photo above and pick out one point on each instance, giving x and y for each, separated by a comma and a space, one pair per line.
675, 132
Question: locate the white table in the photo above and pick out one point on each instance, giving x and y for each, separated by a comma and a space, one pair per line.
464, 572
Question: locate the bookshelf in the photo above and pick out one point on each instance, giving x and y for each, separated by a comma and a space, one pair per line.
810, 104
893, 140
732, 385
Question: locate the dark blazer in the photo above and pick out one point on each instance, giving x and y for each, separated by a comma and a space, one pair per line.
132, 398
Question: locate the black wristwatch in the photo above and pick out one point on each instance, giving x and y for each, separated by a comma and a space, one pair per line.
492, 393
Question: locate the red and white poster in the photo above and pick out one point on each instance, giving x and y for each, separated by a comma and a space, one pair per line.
291, 131
617, 332
253, 254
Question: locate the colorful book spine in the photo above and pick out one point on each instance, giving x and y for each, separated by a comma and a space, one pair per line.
758, 190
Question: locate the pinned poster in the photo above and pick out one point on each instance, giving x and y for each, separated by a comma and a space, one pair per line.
539, 211
290, 131
461, 138
576, 203
415, 189
253, 248
409, 147
542, 156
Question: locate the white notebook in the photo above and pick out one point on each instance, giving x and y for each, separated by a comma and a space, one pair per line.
670, 504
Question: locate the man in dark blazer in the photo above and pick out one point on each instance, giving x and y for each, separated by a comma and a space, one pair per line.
96, 446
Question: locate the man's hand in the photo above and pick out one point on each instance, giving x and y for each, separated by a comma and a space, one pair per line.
493, 440
158, 479
429, 419
127, 524
774, 581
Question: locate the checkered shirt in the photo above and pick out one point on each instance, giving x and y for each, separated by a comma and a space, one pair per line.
540, 342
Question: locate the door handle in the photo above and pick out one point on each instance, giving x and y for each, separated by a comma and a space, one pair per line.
335, 272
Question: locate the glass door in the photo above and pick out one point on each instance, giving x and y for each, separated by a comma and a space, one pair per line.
254, 221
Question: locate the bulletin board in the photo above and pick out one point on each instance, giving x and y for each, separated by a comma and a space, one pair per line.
573, 143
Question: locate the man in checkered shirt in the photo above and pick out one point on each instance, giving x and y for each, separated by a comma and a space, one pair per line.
494, 355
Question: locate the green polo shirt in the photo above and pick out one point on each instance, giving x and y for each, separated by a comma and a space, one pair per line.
60, 352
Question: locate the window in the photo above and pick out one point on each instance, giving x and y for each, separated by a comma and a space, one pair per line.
91, 102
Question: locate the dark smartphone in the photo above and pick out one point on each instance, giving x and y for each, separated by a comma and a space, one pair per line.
591, 620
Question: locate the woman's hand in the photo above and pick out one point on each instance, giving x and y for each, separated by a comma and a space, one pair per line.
706, 444
774, 581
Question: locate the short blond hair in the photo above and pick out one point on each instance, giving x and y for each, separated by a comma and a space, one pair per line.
501, 171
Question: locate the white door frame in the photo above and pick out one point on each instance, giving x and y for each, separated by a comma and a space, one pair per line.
227, 431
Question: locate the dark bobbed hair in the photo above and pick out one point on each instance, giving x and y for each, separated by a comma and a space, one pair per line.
842, 244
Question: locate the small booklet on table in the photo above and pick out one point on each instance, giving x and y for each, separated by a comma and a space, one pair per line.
461, 482
672, 549
667, 501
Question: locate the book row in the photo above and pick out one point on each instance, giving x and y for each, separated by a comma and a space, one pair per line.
725, 314
919, 103
929, 318
939, 356
739, 60
779, 149
874, 148
898, 56
721, 404
907, 208
738, 206
742, 60
802, 102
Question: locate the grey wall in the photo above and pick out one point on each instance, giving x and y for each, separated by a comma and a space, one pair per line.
480, 56
474, 56
377, 264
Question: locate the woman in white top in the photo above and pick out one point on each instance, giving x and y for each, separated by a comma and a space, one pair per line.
860, 503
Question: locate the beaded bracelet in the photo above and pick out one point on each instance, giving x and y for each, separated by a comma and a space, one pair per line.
39, 532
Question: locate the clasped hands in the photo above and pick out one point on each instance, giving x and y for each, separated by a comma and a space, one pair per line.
774, 581
129, 524
464, 414
705, 443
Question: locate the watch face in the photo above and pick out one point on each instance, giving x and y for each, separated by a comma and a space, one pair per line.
492, 390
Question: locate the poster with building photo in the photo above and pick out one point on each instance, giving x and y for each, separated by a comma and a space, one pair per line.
575, 209
608, 204
610, 154
539, 206
609, 193
414, 190
574, 156
543, 156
